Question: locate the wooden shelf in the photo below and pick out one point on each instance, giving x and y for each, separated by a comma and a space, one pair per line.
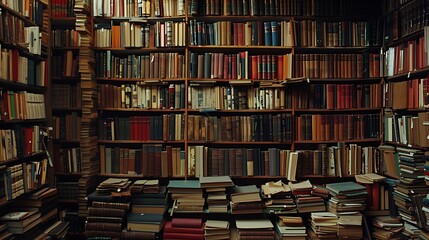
238, 48
368, 140
281, 83
137, 50
396, 144
2, 204
404, 39
359, 110
349, 49
74, 48
61, 22
142, 110
253, 111
33, 156
139, 142
421, 73
22, 51
142, 81
411, 110
240, 18
66, 109
17, 86
233, 143
98, 19
24, 121
26, 20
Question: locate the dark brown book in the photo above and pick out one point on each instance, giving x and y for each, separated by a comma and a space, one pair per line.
105, 212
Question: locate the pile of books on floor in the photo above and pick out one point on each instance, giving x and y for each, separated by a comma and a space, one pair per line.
38, 209
108, 207
288, 227
149, 204
246, 200
323, 225
305, 201
215, 187
260, 229
216, 230
348, 199
184, 228
278, 198
387, 227
187, 195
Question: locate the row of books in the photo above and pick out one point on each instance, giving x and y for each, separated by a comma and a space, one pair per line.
142, 96
285, 33
338, 96
19, 142
31, 9
339, 160
409, 56
338, 127
67, 127
62, 8
311, 33
280, 8
240, 66
21, 69
134, 8
253, 128
68, 160
411, 94
329, 66
168, 127
154, 65
407, 129
22, 105
66, 95
65, 65
65, 38
207, 96
170, 160
413, 18
20, 178
256, 33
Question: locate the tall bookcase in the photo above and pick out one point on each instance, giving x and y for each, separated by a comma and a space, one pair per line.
406, 102
244, 89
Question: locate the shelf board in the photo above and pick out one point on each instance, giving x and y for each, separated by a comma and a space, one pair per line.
68, 174
142, 81
139, 142
142, 110
369, 140
138, 50
139, 19
24, 121
265, 143
238, 47
73, 48
406, 38
310, 110
284, 82
12, 161
411, 110
23, 51
254, 111
66, 109
25, 194
17, 86
421, 73
240, 18
396, 144
338, 49
66, 21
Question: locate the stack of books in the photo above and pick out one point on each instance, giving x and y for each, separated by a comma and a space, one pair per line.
260, 229
187, 196
346, 197
184, 228
216, 230
148, 206
246, 200
323, 225
20, 222
305, 201
109, 205
43, 201
411, 189
4, 232
425, 209
290, 228
387, 227
377, 194
278, 198
215, 188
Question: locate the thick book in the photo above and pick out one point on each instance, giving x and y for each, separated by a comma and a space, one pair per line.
187, 222
193, 230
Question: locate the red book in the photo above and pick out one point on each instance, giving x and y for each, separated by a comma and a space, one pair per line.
147, 127
28, 141
226, 60
375, 196
254, 68
280, 67
187, 222
234, 66
169, 228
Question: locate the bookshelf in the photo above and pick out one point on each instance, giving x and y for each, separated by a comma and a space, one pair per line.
405, 114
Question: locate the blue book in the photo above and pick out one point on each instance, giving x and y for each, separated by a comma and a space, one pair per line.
275, 33
268, 35
146, 217
345, 188
184, 184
